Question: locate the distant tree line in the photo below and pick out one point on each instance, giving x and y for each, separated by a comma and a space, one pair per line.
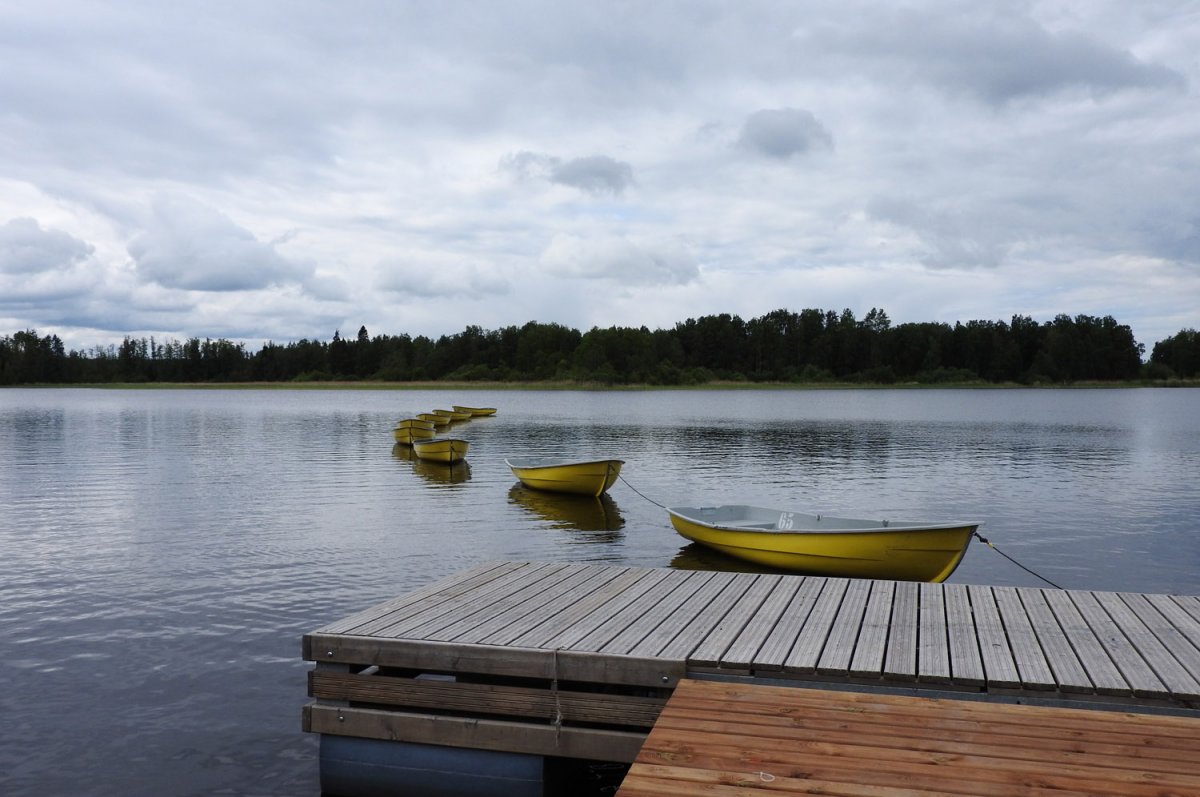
811, 346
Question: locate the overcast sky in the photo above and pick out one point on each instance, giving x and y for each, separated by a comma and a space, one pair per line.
281, 170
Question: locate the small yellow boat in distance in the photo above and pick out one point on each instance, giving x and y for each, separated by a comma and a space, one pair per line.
475, 412
441, 449
588, 477
411, 429
453, 415
828, 546
434, 418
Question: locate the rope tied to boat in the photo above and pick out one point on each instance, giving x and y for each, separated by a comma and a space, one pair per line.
639, 492
988, 543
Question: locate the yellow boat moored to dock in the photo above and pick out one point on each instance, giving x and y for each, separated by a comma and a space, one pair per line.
475, 412
828, 546
441, 449
588, 477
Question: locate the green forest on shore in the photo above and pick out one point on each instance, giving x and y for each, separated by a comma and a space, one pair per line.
809, 347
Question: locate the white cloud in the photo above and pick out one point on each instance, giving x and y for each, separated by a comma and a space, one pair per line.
618, 259
191, 246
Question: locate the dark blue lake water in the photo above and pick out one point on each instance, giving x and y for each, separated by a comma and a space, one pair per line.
164, 551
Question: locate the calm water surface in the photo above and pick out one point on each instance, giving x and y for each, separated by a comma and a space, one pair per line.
164, 551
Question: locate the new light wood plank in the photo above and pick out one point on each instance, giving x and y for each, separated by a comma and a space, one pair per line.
900, 662
1032, 667
872, 639
966, 665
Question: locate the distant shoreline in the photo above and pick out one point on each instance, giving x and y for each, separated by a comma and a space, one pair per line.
587, 386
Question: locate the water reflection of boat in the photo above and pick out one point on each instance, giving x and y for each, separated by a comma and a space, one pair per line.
586, 477
827, 545
403, 451
442, 473
695, 556
581, 512
441, 449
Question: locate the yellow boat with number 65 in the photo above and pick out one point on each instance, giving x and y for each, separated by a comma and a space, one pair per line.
441, 449
826, 545
587, 477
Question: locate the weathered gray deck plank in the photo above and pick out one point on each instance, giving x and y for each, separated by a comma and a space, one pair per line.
385, 614
544, 633
1069, 674
815, 634
436, 612
872, 639
966, 664
1133, 668
651, 622
843, 636
681, 616
565, 602
747, 649
1136, 623
712, 649
702, 625
603, 615
634, 613
501, 592
1032, 667
1101, 671
479, 625
998, 664
900, 662
1183, 639
933, 642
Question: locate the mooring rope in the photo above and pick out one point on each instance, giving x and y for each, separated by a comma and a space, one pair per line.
988, 543
639, 492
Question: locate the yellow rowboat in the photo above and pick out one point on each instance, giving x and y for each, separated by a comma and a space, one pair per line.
828, 546
412, 429
434, 418
476, 412
453, 415
591, 477
441, 449
405, 435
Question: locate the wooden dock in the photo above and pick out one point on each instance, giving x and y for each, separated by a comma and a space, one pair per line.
577, 661
720, 738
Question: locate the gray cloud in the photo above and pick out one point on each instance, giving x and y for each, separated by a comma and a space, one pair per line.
995, 54
783, 132
26, 248
191, 246
594, 174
